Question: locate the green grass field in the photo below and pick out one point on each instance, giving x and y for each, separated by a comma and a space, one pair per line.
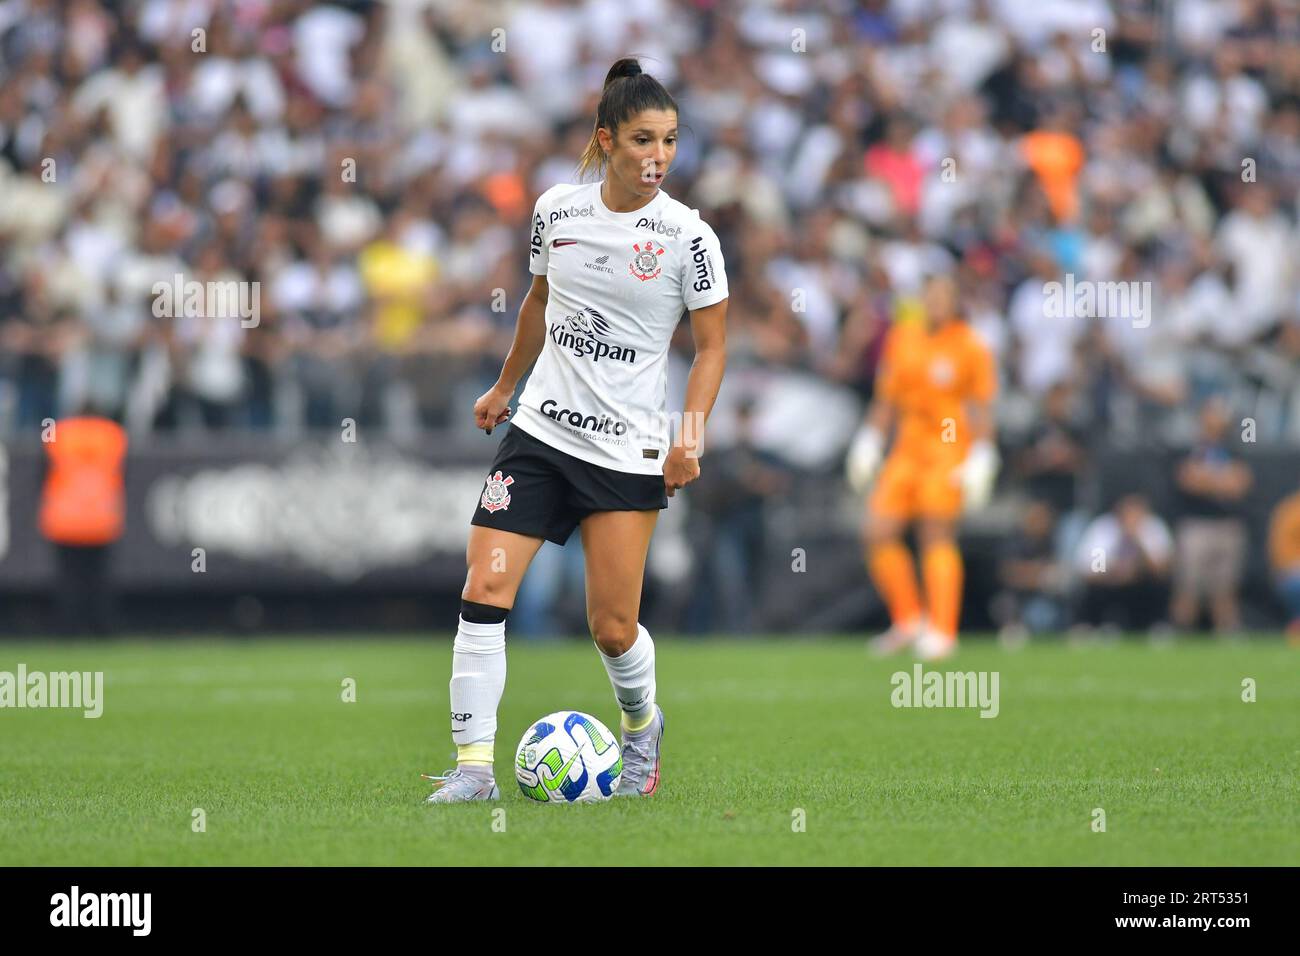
255, 733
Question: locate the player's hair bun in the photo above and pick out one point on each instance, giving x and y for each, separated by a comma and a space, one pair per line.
627, 66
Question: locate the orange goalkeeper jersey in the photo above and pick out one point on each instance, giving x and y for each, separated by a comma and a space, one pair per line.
928, 376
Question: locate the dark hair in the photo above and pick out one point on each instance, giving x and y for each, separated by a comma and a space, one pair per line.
627, 91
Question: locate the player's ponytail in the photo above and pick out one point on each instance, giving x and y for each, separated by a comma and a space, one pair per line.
627, 91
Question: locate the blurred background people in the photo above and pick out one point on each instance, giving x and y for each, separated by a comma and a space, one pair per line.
1210, 532
370, 166
1032, 581
1124, 560
726, 529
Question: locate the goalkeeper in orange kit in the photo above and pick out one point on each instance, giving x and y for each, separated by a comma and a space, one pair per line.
934, 389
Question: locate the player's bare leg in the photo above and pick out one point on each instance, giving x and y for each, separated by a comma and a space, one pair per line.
942, 569
615, 544
894, 574
496, 563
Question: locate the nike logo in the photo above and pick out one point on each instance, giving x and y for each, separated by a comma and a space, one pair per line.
563, 242
560, 774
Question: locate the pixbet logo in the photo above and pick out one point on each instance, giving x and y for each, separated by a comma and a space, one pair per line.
661, 228
572, 212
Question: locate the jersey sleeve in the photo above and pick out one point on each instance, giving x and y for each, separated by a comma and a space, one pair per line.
704, 274
983, 380
538, 251
887, 367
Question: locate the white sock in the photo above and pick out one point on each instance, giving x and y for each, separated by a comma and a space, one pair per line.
478, 678
633, 676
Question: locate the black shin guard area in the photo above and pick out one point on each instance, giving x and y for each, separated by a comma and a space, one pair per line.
475, 613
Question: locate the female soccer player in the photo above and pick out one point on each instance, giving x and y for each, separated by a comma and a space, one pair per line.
614, 265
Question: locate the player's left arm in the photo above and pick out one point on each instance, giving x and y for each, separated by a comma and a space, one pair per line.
979, 421
979, 469
709, 329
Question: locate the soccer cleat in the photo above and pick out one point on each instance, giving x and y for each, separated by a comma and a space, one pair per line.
459, 786
641, 759
894, 639
933, 646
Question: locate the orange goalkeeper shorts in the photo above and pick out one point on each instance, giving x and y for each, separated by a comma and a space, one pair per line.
911, 487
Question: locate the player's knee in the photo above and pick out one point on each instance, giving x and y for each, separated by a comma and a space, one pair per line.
931, 533
492, 589
473, 612
881, 531
613, 632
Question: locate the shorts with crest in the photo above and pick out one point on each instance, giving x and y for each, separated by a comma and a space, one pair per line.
539, 491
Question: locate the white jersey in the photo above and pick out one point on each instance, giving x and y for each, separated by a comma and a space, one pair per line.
619, 283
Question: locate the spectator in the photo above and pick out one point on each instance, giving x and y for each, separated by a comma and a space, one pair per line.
1124, 559
319, 301
1210, 540
727, 510
1056, 156
1031, 579
1053, 459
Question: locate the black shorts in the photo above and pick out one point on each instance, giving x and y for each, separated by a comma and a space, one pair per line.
542, 492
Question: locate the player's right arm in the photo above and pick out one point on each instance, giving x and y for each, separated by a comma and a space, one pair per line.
867, 450
493, 407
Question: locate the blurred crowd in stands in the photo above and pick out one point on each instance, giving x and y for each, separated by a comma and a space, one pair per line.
372, 168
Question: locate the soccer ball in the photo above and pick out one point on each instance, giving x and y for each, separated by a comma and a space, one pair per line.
568, 757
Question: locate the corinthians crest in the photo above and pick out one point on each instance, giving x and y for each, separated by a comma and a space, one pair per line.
496, 496
645, 264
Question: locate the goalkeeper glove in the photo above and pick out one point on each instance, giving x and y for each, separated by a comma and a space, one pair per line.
865, 452
976, 475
